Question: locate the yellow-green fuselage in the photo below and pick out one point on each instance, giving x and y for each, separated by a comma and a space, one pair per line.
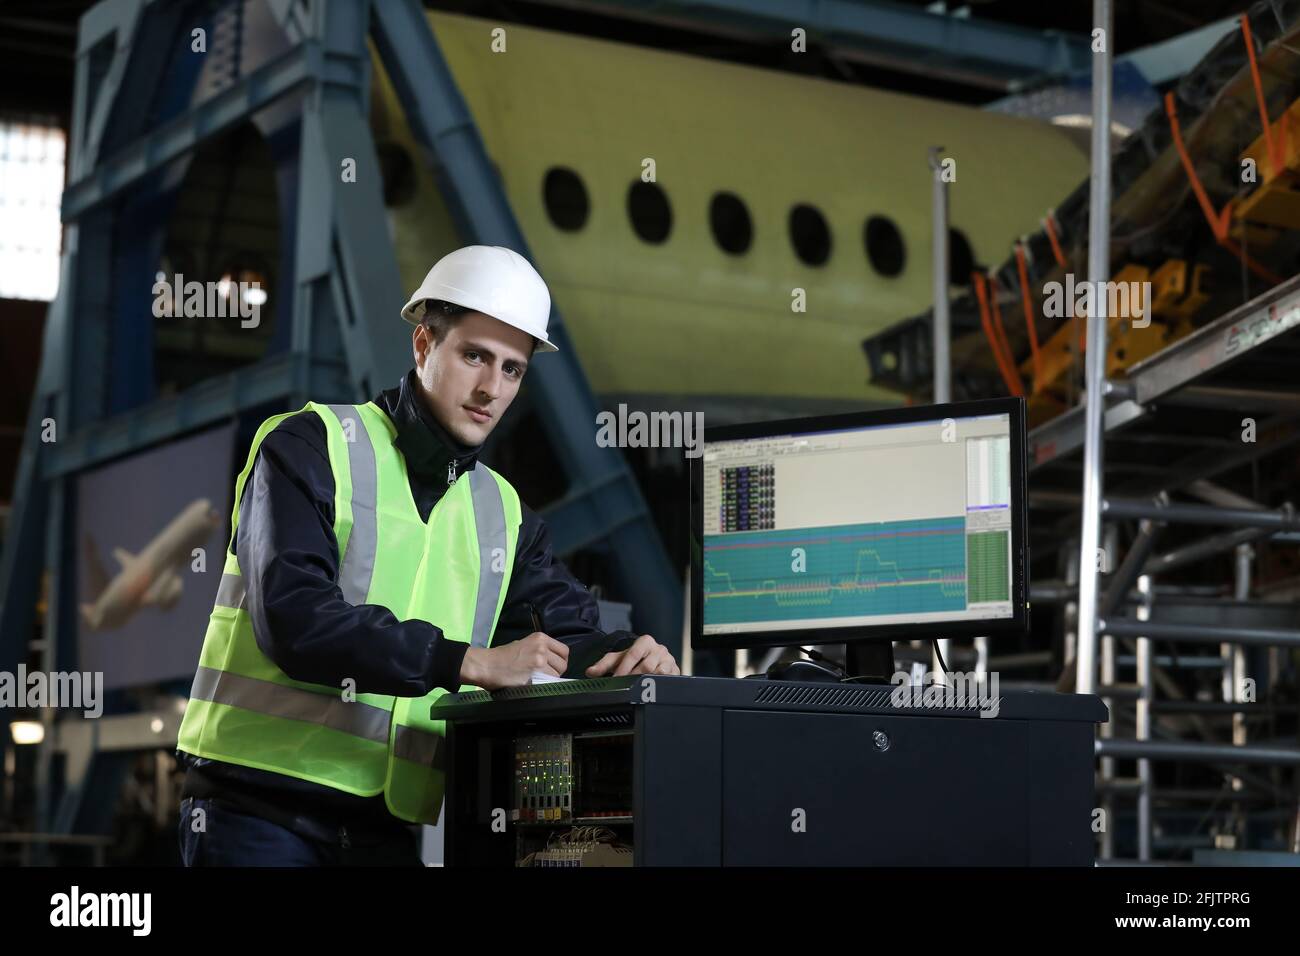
684, 318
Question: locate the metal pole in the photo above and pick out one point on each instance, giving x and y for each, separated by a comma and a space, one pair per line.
1193, 750
1203, 633
1107, 730
1098, 272
1186, 662
1204, 548
1145, 680
1282, 519
942, 323
1211, 706
1071, 611
1134, 561
1110, 543
1236, 655
1218, 495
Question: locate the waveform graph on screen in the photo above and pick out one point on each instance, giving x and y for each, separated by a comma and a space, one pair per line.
864, 570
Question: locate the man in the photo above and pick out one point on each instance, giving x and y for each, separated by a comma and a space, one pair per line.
374, 565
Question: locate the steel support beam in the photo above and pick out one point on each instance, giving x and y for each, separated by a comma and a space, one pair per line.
1202, 633
1191, 751
1126, 574
1216, 706
344, 243
1215, 494
1205, 548
1283, 519
1186, 661
959, 48
1225, 340
1065, 433
1233, 399
211, 401
303, 65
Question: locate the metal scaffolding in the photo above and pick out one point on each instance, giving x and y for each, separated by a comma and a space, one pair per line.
1233, 374
1213, 362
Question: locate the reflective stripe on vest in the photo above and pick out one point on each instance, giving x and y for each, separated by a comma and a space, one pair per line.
231, 592
358, 564
354, 717
418, 747
349, 717
490, 523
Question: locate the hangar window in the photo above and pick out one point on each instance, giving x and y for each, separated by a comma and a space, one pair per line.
961, 260
729, 220
31, 181
565, 198
885, 248
647, 207
810, 235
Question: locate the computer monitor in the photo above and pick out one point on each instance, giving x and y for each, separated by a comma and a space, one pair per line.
892, 525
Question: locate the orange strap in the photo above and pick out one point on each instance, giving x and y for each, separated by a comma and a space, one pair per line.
1002, 336
1059, 256
1009, 375
1218, 221
1274, 148
1049, 222
1029, 316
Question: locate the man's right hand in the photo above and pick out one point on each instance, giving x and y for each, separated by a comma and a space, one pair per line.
512, 665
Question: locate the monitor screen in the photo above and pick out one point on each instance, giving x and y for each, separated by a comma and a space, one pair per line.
890, 524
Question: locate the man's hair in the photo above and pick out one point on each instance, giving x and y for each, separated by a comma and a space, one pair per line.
440, 317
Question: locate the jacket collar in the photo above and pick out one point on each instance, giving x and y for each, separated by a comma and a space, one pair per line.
425, 444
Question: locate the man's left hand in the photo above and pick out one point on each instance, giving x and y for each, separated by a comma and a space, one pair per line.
645, 656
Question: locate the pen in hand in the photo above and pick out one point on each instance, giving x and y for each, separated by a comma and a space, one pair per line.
537, 627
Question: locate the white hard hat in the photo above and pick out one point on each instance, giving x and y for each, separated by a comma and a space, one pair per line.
493, 280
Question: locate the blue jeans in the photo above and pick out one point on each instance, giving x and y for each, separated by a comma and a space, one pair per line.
230, 837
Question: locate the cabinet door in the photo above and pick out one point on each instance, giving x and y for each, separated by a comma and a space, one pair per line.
817, 790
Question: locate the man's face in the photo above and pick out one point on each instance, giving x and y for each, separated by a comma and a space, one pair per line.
470, 378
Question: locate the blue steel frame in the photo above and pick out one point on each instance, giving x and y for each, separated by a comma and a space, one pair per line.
962, 48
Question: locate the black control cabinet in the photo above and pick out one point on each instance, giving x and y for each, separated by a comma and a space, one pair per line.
768, 773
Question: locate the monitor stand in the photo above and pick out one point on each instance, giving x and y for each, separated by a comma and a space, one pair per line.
870, 662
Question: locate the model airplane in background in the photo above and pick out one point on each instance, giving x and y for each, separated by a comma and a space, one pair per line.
149, 578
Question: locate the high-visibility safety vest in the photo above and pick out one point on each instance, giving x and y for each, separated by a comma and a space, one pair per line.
452, 571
